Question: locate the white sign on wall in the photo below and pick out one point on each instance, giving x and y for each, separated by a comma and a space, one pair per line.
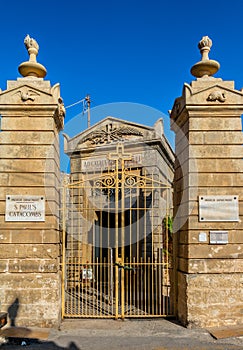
25, 208
219, 208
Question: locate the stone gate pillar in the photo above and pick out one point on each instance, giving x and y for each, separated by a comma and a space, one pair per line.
208, 198
32, 115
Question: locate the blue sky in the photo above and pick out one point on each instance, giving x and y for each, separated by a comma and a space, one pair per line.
134, 51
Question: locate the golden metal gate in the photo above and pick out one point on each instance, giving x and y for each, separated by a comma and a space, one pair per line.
117, 243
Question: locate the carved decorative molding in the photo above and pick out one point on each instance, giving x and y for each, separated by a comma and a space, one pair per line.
217, 96
111, 133
27, 95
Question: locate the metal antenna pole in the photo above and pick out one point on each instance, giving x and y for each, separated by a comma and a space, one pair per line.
88, 101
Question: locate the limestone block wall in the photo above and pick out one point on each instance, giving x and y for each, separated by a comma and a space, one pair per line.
209, 162
29, 165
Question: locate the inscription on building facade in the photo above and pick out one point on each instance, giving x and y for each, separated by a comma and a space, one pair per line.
218, 208
105, 163
25, 208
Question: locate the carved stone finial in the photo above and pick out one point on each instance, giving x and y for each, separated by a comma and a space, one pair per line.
205, 67
204, 46
32, 68
32, 46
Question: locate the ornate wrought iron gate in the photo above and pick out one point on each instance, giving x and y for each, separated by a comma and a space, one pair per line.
116, 243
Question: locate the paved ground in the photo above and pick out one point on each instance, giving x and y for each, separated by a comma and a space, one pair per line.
148, 334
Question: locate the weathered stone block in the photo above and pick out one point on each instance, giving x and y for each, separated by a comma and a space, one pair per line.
27, 137
32, 266
211, 265
26, 165
216, 151
215, 165
194, 224
24, 251
50, 222
35, 296
26, 236
221, 123
212, 297
25, 123
50, 193
216, 137
27, 151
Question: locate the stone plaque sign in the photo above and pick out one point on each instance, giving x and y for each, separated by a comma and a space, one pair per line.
25, 208
218, 208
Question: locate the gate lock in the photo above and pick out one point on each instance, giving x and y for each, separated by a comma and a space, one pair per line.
125, 267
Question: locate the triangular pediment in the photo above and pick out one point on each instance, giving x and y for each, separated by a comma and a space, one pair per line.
218, 93
111, 130
25, 94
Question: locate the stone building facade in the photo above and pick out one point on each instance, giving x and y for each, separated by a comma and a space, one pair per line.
42, 263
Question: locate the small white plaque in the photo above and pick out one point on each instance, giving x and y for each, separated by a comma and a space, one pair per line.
25, 208
218, 208
202, 237
219, 237
87, 274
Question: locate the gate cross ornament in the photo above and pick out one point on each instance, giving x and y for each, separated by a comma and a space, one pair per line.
120, 154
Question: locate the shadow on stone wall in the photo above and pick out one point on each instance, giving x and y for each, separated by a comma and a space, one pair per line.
13, 337
13, 312
15, 343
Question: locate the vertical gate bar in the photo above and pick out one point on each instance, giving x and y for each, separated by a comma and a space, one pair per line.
79, 257
134, 284
168, 252
145, 248
166, 260
116, 240
105, 285
100, 257
128, 274
157, 312
157, 266
153, 226
160, 252
141, 286
111, 279
93, 269
149, 284
109, 271
122, 233
72, 260
111, 244
131, 275
63, 249
101, 284
97, 286
164, 269
174, 272
138, 275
